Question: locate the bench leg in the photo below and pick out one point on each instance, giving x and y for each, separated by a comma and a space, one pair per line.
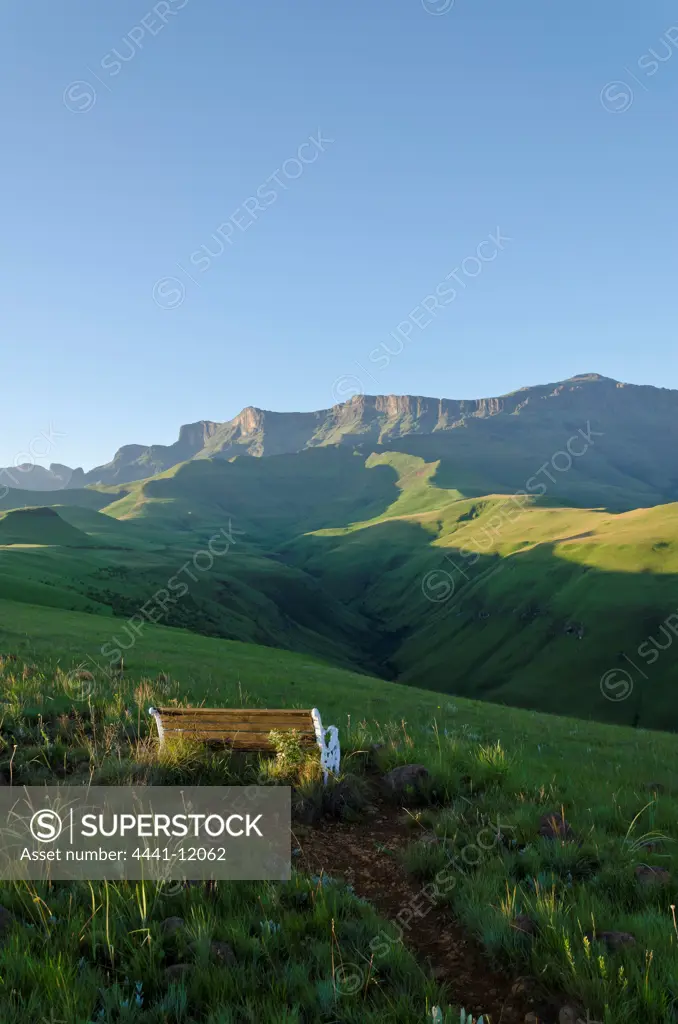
158, 722
330, 753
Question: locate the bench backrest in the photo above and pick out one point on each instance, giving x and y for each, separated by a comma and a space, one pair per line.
239, 728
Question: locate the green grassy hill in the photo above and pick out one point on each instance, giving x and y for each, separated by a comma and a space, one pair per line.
39, 526
207, 669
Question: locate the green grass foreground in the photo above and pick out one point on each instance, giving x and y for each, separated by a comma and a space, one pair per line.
81, 953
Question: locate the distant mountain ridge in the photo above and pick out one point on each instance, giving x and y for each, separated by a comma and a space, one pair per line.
375, 419
34, 477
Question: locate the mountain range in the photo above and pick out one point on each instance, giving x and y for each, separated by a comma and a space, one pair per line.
643, 419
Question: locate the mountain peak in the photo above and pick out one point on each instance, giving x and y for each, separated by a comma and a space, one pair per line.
591, 376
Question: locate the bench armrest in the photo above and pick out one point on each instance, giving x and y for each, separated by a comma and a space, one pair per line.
330, 753
158, 721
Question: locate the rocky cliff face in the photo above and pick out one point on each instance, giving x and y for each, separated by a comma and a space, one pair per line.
377, 419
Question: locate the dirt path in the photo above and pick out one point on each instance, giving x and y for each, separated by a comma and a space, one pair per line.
364, 855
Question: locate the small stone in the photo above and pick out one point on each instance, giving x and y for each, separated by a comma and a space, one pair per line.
568, 1015
177, 972
405, 777
172, 925
613, 940
523, 923
305, 811
554, 826
648, 875
532, 1018
222, 953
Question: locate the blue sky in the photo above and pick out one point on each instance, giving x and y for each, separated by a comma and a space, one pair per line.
553, 124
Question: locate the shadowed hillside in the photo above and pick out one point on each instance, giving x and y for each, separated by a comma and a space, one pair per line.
39, 526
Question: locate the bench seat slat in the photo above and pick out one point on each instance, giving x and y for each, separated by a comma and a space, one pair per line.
229, 720
228, 715
193, 726
255, 712
241, 727
244, 735
238, 728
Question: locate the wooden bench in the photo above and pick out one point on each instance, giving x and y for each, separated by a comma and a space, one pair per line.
249, 729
